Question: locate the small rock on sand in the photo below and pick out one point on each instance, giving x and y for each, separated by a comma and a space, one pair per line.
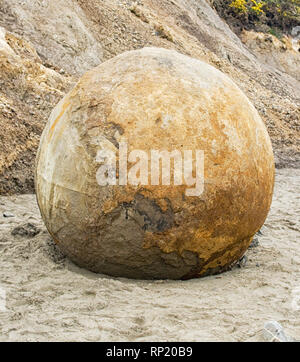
242, 262
28, 230
254, 243
273, 332
8, 214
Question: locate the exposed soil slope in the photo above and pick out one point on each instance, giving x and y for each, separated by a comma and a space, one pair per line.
66, 38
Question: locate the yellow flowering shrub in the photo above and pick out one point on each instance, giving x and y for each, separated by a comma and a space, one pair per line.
289, 8
257, 7
245, 6
239, 5
282, 15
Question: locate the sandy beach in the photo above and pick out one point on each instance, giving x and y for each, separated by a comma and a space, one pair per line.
48, 298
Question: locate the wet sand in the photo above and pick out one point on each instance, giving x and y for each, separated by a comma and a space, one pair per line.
48, 298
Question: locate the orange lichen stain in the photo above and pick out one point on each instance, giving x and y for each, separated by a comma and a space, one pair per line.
64, 107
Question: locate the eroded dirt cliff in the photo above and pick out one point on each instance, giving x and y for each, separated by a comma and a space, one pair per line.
46, 45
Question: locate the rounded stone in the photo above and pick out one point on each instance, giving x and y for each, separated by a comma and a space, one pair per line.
154, 99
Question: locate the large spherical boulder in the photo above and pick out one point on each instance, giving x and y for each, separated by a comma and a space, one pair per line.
148, 101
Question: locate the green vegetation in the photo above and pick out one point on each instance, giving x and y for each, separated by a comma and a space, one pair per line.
276, 33
273, 16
